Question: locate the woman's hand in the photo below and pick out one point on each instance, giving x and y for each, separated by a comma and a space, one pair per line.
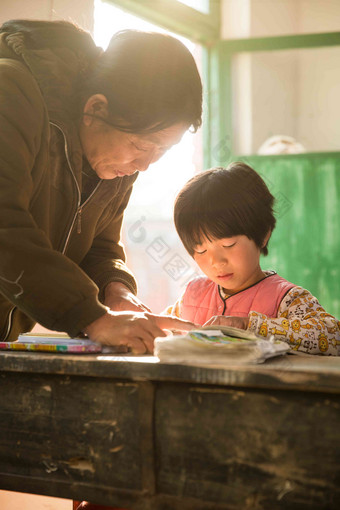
119, 298
135, 330
234, 322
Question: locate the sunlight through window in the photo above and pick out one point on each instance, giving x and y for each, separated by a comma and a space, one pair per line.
155, 190
151, 203
198, 5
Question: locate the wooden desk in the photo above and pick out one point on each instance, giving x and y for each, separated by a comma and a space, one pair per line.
142, 435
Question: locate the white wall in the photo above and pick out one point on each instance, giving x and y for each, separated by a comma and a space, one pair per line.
76, 11
261, 18
274, 96
318, 15
318, 118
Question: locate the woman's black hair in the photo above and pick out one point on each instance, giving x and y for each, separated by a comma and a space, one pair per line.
224, 202
150, 79
40, 34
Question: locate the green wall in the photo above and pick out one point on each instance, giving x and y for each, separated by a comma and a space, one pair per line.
305, 245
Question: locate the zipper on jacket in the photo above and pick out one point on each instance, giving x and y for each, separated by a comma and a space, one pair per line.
76, 183
79, 221
9, 326
80, 208
77, 215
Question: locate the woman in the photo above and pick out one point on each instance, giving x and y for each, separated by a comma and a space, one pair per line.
77, 125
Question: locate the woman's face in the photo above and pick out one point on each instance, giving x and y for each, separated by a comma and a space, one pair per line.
113, 153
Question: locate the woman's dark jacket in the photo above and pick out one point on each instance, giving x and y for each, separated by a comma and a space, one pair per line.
57, 253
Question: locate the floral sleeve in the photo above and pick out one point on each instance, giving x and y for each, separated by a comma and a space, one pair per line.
175, 309
302, 323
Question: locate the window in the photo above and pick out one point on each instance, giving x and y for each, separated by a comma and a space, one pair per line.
267, 18
197, 19
199, 5
261, 87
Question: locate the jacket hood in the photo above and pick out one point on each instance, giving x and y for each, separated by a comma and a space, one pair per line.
58, 54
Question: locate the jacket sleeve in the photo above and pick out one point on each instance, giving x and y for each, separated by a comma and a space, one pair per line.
105, 261
302, 323
43, 283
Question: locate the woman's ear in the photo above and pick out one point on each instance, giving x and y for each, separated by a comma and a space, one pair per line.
95, 106
266, 239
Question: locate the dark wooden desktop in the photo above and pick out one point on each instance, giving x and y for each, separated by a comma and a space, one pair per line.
141, 435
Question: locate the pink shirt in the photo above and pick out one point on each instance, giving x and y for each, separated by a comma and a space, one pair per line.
202, 299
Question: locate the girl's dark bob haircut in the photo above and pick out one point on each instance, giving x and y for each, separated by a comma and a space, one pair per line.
224, 202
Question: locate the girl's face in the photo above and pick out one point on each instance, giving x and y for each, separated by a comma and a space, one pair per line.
233, 262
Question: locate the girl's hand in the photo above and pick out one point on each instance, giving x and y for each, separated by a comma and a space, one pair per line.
134, 330
234, 322
120, 299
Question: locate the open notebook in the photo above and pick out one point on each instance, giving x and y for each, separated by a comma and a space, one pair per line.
53, 342
217, 345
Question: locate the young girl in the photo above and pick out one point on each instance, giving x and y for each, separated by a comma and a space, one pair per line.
224, 218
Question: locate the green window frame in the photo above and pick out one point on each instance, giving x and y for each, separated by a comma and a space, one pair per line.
177, 17
218, 135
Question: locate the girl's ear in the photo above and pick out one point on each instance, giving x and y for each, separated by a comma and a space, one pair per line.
266, 239
95, 106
